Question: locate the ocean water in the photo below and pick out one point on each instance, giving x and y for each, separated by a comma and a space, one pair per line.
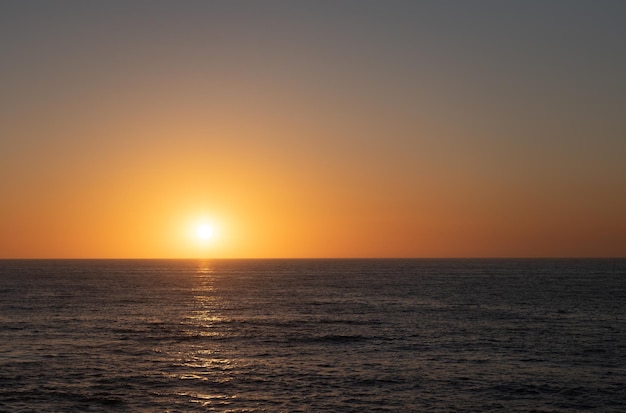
312, 335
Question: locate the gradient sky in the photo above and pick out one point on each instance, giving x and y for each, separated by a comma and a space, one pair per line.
313, 129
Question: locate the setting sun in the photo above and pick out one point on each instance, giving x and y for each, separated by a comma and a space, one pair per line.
223, 139
204, 232
312, 206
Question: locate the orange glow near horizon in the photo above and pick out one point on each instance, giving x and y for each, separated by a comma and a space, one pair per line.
306, 201
121, 138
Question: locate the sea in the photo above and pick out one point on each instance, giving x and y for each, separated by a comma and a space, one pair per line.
374, 335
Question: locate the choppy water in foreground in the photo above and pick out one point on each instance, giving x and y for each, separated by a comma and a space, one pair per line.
313, 335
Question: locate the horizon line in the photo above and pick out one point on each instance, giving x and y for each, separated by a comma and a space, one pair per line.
317, 258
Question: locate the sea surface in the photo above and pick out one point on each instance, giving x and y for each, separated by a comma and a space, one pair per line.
312, 335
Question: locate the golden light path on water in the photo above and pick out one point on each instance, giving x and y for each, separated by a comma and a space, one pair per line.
204, 362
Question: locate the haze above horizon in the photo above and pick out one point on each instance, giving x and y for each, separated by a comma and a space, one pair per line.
312, 129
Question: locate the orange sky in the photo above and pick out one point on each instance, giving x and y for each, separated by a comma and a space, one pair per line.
406, 130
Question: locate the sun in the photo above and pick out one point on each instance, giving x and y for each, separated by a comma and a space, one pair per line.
204, 232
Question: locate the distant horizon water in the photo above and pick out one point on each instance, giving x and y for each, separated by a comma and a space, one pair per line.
323, 335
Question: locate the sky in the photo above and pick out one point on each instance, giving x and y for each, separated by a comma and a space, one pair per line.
312, 129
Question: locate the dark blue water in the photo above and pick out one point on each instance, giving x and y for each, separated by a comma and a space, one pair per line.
313, 335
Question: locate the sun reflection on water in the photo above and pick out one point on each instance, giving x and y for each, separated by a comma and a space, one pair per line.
205, 267
205, 360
